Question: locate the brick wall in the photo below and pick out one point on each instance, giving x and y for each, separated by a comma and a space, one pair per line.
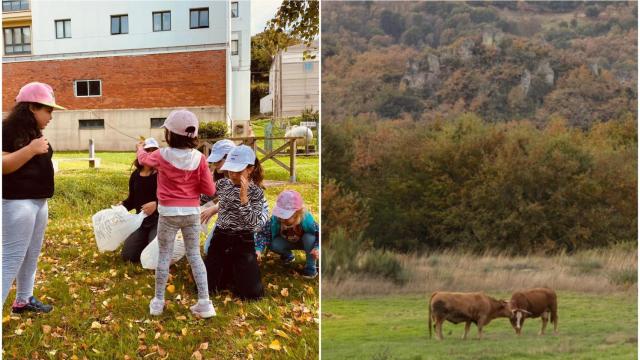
128, 82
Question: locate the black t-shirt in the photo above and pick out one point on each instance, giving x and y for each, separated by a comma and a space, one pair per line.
34, 180
142, 189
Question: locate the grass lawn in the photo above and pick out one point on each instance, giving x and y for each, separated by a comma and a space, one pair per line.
101, 303
395, 327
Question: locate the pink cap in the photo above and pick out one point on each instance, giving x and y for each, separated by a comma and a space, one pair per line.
38, 92
288, 202
182, 122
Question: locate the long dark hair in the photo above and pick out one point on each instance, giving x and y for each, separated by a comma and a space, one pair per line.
22, 125
136, 164
257, 175
180, 141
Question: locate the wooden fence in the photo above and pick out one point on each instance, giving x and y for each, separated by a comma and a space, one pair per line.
289, 147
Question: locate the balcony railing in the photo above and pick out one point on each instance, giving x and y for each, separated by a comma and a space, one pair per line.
15, 5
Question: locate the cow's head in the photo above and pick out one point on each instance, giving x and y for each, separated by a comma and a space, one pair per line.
504, 309
517, 315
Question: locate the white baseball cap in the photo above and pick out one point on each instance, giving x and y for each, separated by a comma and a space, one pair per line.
182, 122
239, 158
220, 149
150, 143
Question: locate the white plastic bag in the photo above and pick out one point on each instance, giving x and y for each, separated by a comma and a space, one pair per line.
112, 226
150, 254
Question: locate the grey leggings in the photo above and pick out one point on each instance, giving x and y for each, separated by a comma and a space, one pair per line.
23, 225
167, 229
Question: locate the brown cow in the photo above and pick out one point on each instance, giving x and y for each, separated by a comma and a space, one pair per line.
532, 303
465, 307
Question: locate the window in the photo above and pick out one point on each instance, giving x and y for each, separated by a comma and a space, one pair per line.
86, 88
234, 9
17, 40
234, 47
199, 18
91, 124
119, 24
162, 21
157, 123
63, 29
15, 5
308, 67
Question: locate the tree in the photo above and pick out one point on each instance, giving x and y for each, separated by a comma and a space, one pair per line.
300, 20
392, 23
264, 47
592, 11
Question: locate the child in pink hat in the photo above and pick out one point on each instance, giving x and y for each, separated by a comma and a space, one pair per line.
27, 183
292, 227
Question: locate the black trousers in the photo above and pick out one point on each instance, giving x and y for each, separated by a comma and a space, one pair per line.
232, 264
137, 241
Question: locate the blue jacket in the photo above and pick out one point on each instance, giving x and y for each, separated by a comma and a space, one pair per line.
272, 228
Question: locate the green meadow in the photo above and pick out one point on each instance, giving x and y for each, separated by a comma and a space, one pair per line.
101, 303
591, 326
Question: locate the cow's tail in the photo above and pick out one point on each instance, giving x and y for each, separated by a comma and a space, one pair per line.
554, 313
430, 320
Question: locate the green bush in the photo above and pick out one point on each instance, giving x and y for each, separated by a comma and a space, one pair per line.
383, 264
212, 130
258, 91
310, 115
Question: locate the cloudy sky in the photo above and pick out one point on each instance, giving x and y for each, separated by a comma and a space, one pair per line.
261, 12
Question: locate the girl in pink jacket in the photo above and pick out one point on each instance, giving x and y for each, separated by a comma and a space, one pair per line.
183, 175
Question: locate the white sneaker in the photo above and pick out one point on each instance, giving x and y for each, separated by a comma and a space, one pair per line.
203, 309
156, 307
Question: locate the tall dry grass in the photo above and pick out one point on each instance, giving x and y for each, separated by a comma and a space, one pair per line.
593, 271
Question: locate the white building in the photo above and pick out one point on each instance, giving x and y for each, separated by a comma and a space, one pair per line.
293, 82
121, 66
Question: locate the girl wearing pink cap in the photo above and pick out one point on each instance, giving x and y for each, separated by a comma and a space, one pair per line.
292, 228
183, 175
27, 183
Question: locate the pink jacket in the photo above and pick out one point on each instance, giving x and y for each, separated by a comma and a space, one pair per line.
182, 175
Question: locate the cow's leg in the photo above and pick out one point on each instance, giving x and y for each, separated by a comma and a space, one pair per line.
554, 318
467, 325
545, 318
439, 329
481, 322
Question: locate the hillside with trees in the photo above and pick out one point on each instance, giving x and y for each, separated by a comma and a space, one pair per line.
505, 126
502, 61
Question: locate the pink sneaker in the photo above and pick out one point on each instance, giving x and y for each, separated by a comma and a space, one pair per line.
203, 309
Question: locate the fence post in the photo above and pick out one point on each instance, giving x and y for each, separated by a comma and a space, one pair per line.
292, 161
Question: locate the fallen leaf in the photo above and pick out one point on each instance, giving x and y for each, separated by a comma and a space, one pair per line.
204, 346
196, 354
258, 333
171, 289
181, 317
46, 329
96, 325
284, 292
18, 331
6, 319
275, 345
227, 299
282, 334
184, 331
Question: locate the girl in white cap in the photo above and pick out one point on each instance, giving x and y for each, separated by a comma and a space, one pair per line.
292, 228
216, 159
232, 261
182, 176
142, 197
27, 183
